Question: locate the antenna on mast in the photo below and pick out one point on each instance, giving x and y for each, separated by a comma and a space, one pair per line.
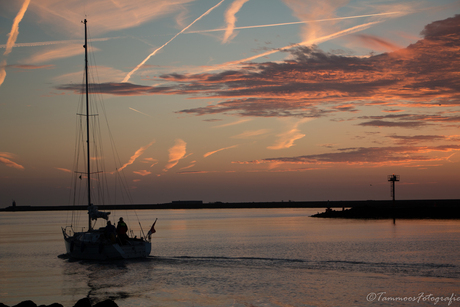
393, 178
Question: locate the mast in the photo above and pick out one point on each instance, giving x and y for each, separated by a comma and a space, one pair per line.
87, 128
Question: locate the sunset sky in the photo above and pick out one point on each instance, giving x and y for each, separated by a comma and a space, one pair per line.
236, 100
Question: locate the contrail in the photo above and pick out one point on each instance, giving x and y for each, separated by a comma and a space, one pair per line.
74, 41
294, 22
13, 35
140, 112
128, 76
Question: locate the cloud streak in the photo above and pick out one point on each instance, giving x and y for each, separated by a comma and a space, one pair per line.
13, 35
7, 159
313, 83
2, 71
66, 42
213, 152
287, 139
309, 42
230, 18
140, 112
370, 156
105, 15
128, 76
132, 89
136, 155
251, 134
233, 123
395, 14
142, 172
64, 169
176, 153
56, 53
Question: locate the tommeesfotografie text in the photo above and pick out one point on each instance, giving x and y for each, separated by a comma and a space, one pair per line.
422, 297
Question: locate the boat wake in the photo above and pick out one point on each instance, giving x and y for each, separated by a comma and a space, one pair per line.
437, 270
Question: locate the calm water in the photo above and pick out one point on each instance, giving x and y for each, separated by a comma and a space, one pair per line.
276, 257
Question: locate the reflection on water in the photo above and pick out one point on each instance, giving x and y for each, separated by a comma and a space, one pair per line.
236, 258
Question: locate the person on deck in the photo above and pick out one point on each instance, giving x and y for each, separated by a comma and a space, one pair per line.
110, 232
122, 230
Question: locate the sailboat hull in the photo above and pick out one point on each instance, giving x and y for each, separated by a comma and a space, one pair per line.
91, 246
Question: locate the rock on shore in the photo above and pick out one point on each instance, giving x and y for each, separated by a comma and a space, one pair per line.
84, 302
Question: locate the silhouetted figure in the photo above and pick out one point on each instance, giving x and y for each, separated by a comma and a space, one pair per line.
122, 230
110, 232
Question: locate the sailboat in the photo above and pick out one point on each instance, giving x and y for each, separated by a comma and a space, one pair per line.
103, 243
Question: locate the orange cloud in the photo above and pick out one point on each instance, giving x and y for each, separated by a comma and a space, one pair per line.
142, 172
64, 169
151, 161
192, 164
2, 71
176, 153
371, 156
136, 155
195, 172
6, 158
213, 152
251, 134
287, 139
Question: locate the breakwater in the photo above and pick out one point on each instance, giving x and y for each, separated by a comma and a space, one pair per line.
409, 204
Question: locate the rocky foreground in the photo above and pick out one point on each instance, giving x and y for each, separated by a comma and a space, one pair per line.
84, 302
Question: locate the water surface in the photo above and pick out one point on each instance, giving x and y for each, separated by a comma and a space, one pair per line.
239, 257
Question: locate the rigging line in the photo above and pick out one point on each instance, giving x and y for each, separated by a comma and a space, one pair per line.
103, 194
74, 194
120, 178
103, 184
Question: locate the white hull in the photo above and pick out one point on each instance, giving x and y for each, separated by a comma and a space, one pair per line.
92, 246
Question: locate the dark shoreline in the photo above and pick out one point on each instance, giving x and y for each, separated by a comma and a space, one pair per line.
423, 208
426, 209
